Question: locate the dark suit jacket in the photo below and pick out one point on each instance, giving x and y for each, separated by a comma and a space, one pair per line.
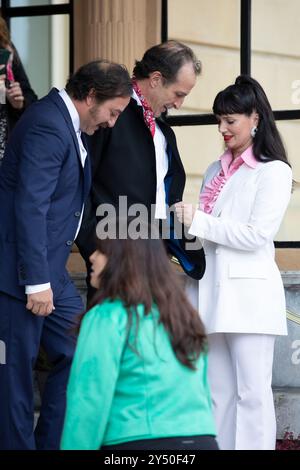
42, 190
123, 163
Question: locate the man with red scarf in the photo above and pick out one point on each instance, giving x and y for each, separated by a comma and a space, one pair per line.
139, 157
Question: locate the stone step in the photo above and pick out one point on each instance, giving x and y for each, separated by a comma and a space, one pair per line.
287, 406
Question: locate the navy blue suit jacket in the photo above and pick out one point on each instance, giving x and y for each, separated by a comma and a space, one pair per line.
42, 189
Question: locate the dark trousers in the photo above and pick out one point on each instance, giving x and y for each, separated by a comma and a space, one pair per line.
22, 332
168, 443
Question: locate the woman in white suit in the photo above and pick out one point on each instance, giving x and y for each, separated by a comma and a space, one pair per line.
241, 297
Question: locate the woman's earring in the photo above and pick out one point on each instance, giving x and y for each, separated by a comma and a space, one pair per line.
253, 131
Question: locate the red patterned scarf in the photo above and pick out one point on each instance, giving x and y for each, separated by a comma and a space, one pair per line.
147, 110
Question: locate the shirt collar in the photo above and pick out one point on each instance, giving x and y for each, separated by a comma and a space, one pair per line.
72, 110
247, 157
136, 98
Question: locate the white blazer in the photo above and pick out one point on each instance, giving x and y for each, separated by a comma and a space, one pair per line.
242, 290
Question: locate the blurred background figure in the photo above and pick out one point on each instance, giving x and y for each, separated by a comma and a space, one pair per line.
15, 89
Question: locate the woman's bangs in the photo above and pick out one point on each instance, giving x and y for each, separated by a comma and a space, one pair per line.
228, 103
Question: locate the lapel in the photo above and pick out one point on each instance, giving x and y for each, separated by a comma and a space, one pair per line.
233, 185
171, 142
166, 130
87, 180
54, 96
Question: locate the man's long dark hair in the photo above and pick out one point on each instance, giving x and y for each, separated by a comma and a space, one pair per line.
247, 96
138, 271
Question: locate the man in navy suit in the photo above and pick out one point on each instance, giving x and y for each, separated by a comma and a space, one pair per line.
44, 181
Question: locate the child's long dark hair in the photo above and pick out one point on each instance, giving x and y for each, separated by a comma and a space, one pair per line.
138, 271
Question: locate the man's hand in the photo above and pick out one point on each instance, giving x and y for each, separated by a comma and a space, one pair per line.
185, 213
41, 303
15, 96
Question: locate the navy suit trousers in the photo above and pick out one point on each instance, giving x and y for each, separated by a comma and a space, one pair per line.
21, 333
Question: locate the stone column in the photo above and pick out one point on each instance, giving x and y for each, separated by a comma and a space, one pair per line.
118, 30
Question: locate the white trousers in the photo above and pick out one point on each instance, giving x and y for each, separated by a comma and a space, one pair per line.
240, 376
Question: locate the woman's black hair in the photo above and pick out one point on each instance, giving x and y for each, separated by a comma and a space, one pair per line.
245, 97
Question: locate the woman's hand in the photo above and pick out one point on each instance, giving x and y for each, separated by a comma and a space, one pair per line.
185, 212
15, 95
